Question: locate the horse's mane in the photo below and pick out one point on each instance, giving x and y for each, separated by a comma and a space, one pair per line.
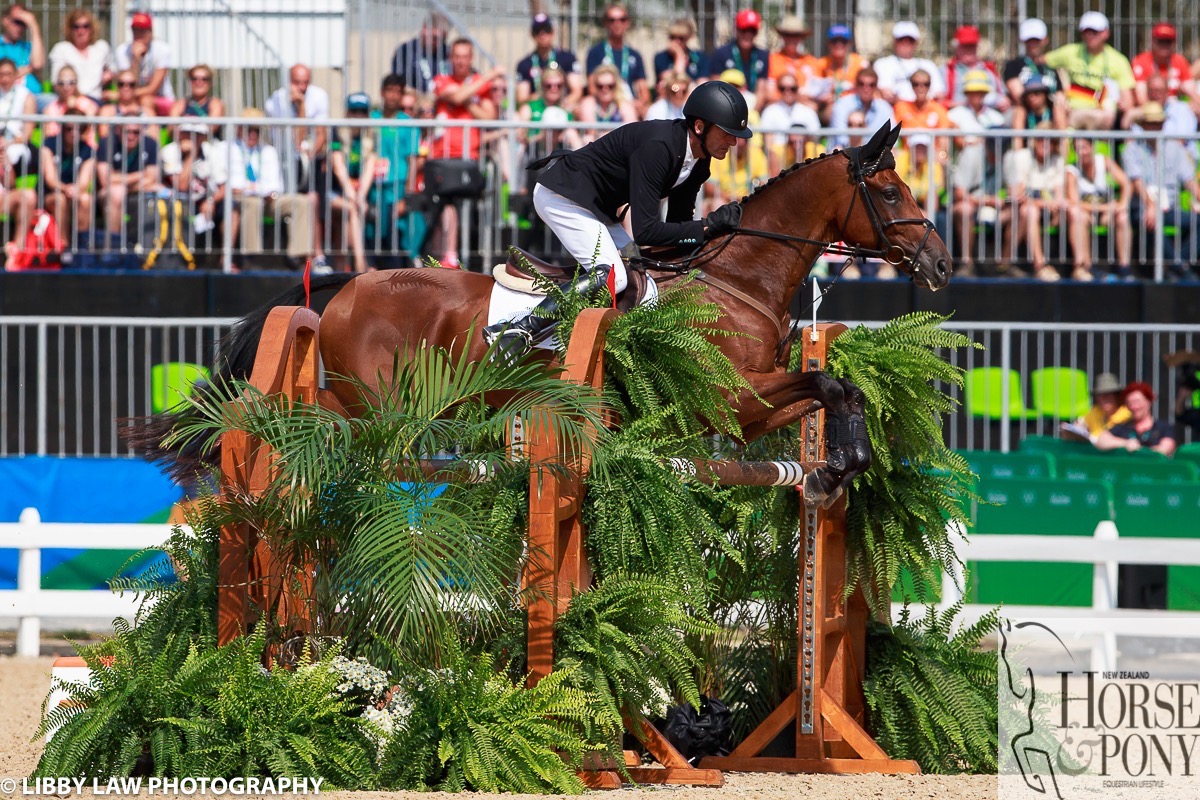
886, 160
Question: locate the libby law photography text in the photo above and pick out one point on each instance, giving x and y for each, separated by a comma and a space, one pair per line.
1107, 713
65, 787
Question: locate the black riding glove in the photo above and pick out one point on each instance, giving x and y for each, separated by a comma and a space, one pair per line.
723, 220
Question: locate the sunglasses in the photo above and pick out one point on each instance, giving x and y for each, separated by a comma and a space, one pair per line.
554, 85
201, 78
789, 88
870, 85
127, 84
66, 83
606, 86
839, 41
918, 83
82, 26
616, 19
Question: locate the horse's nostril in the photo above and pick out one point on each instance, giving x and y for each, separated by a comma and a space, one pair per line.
943, 268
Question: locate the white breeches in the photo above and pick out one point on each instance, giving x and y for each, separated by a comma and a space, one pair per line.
589, 241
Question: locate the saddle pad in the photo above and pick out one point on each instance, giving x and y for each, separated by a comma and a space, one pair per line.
507, 305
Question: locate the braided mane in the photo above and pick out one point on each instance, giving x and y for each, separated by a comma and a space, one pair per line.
886, 160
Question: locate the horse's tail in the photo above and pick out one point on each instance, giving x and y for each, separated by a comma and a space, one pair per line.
234, 361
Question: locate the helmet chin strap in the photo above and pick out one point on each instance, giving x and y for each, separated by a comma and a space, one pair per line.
703, 136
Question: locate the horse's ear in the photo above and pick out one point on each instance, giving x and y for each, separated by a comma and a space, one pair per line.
895, 135
874, 147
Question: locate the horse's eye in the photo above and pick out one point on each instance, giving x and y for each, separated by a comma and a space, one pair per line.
891, 194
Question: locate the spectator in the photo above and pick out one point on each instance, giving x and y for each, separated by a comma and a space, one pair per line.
1142, 430
1164, 61
1037, 187
1106, 410
15, 99
672, 95
1100, 79
1020, 70
875, 111
84, 52
966, 59
191, 170
616, 53
396, 171
1180, 119
352, 159
21, 41
894, 71
744, 55
200, 101
68, 166
1091, 198
303, 147
679, 56
67, 97
604, 103
462, 95
1035, 108
1139, 157
149, 59
127, 166
791, 59
422, 59
546, 56
127, 104
977, 177
924, 111
837, 68
787, 114
926, 181
549, 108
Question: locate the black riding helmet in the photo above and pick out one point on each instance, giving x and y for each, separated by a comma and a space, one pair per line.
721, 104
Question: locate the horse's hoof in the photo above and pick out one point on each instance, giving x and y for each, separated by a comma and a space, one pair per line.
820, 488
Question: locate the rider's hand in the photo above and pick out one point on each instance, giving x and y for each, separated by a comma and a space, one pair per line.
723, 220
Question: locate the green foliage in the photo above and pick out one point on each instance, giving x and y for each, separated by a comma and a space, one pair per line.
899, 508
625, 637
190, 709
931, 693
472, 727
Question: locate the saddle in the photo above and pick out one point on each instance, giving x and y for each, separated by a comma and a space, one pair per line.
514, 274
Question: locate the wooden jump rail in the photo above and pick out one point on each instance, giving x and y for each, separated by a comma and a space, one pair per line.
827, 705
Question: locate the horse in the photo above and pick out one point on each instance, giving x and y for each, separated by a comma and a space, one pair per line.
853, 196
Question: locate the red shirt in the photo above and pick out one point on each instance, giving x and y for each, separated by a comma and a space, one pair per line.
450, 143
1178, 70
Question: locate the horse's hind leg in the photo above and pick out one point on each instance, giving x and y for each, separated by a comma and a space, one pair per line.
859, 446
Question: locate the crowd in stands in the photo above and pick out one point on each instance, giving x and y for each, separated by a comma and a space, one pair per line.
997, 198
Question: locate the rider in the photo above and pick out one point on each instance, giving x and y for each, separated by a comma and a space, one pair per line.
642, 164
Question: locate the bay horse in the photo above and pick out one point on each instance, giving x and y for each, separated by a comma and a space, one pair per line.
852, 196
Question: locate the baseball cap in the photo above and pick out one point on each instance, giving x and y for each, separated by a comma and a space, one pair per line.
734, 77
541, 22
1164, 31
976, 81
194, 127
1093, 21
1032, 28
141, 21
839, 32
967, 34
906, 29
1036, 84
918, 139
747, 19
359, 101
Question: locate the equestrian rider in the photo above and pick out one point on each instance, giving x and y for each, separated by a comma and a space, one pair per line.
644, 165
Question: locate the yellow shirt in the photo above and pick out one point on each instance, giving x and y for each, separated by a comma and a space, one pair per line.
918, 179
1096, 423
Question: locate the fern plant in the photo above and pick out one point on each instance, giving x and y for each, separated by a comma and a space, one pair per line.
898, 512
931, 692
626, 640
472, 727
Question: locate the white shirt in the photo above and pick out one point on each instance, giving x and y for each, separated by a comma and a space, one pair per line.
966, 119
88, 66
263, 161
662, 109
1040, 180
780, 116
689, 162
158, 56
894, 73
207, 171
13, 102
279, 106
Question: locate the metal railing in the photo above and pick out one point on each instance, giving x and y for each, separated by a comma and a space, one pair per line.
64, 382
347, 177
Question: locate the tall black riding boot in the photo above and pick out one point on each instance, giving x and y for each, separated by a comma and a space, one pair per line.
516, 338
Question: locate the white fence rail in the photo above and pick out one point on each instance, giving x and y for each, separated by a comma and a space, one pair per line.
31, 604
1103, 622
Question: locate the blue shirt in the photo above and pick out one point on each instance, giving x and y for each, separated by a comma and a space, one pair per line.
729, 56
530, 67
844, 106
629, 62
397, 145
19, 53
697, 67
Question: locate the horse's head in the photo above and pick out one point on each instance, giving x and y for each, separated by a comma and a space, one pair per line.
884, 215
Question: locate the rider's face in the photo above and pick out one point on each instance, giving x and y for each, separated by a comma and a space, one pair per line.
718, 142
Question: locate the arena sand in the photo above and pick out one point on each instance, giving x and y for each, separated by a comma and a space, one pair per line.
25, 682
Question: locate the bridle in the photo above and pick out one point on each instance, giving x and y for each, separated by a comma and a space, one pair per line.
885, 249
